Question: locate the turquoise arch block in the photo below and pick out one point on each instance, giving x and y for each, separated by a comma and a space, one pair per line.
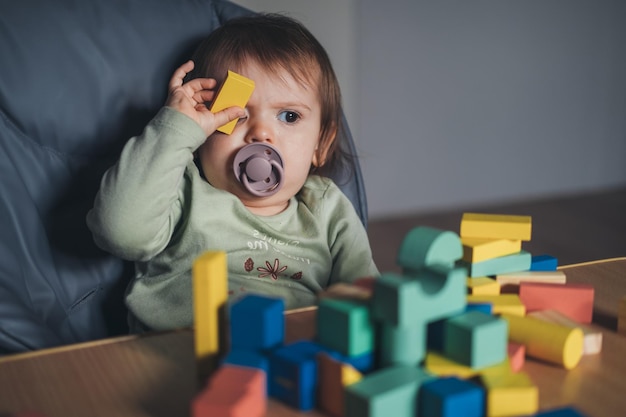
426, 246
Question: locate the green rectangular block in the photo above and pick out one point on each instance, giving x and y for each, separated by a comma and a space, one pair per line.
510, 263
391, 391
345, 326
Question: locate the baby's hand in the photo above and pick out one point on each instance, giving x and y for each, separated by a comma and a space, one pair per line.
189, 98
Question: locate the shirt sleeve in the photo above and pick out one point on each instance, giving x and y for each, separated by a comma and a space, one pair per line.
140, 198
348, 240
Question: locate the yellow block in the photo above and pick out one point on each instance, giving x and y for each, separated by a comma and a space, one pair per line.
621, 317
479, 249
210, 295
439, 365
349, 375
482, 286
496, 226
551, 342
508, 393
514, 278
503, 303
235, 91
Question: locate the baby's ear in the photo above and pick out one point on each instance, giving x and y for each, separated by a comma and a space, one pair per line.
320, 156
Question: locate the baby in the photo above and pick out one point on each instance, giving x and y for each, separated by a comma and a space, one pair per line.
177, 191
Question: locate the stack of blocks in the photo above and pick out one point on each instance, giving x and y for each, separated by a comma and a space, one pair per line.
417, 343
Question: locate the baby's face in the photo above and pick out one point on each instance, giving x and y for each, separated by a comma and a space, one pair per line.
281, 112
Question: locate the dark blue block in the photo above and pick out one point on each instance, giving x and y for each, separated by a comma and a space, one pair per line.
257, 323
293, 375
561, 412
543, 263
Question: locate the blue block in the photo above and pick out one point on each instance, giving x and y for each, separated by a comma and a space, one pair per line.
249, 358
362, 363
543, 263
451, 397
561, 412
486, 308
293, 375
257, 322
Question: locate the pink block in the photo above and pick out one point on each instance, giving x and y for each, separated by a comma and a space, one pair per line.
517, 356
573, 300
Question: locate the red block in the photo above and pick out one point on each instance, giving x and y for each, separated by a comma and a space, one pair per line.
233, 391
573, 300
517, 356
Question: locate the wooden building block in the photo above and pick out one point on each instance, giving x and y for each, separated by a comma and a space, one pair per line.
235, 91
451, 397
483, 286
503, 303
592, 342
248, 358
621, 316
257, 322
210, 295
546, 277
479, 249
476, 339
401, 345
334, 376
573, 300
426, 246
496, 226
391, 391
440, 365
561, 412
544, 263
486, 308
345, 326
508, 263
233, 391
508, 393
517, 355
347, 291
551, 342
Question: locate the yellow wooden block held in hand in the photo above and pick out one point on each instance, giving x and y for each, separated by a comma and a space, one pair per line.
496, 226
235, 91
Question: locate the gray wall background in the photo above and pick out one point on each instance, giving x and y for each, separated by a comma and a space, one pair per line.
457, 103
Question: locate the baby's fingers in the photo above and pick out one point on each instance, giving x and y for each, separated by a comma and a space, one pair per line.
179, 75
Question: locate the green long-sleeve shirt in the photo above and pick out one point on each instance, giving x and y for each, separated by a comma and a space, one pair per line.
155, 209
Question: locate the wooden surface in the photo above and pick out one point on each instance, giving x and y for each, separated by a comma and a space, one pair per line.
153, 375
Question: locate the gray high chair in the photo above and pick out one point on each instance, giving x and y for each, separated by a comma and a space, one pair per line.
77, 79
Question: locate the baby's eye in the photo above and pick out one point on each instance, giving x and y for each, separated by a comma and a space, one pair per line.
288, 116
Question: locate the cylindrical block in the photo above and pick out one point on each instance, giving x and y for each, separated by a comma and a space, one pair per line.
548, 341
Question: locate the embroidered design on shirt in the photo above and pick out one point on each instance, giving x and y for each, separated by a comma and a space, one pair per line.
248, 265
297, 276
272, 271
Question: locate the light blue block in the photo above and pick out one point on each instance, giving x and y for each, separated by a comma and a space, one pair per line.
476, 339
451, 397
510, 263
404, 345
432, 294
543, 263
426, 246
387, 392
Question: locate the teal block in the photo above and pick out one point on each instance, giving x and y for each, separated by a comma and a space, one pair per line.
404, 345
431, 294
426, 246
387, 392
503, 264
345, 326
476, 339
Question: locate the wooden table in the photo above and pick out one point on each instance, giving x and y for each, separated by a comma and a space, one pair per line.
154, 375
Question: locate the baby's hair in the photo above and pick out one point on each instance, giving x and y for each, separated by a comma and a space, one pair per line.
277, 43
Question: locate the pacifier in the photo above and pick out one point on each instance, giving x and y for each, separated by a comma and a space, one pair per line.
259, 167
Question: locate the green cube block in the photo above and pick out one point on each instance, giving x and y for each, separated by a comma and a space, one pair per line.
476, 339
345, 326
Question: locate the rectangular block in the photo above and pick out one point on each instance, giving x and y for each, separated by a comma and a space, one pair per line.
391, 391
257, 322
334, 376
508, 393
451, 397
517, 355
515, 278
496, 226
477, 249
592, 342
508, 263
210, 295
483, 286
573, 300
503, 303
235, 91
293, 375
439, 365
544, 263
345, 326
